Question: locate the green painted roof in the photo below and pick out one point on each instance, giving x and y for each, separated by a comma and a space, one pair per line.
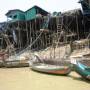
36, 7
15, 10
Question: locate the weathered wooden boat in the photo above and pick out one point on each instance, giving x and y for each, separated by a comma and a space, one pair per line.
83, 68
51, 68
16, 64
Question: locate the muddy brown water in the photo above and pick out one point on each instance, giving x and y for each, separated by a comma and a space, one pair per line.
26, 79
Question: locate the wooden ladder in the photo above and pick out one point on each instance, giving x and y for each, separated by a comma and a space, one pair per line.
59, 28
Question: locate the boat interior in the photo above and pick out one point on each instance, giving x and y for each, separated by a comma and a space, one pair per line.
86, 62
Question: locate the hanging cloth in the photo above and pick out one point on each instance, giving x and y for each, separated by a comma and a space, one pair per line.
14, 36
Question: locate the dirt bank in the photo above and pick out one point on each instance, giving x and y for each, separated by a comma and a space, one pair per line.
26, 79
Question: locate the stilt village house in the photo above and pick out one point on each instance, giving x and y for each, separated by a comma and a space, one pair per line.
23, 27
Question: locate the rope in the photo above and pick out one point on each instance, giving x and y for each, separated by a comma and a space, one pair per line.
10, 47
30, 45
88, 36
67, 26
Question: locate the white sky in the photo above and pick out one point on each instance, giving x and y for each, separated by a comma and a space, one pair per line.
48, 5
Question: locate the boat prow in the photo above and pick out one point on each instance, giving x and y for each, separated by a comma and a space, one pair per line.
83, 68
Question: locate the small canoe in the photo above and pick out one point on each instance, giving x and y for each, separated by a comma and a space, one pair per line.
51, 69
83, 68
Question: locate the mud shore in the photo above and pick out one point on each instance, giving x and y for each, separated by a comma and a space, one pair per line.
26, 79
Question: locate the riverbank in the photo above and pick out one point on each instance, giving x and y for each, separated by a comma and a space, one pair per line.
26, 79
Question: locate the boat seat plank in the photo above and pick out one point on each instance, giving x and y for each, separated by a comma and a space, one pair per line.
86, 62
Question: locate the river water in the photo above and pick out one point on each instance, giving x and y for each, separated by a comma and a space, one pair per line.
26, 79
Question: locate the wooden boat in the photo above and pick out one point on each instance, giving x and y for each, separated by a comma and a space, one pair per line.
16, 63
51, 68
83, 68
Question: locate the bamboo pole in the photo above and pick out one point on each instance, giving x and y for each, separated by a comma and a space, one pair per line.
27, 33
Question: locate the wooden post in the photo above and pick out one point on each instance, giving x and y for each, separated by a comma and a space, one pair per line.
77, 25
27, 33
19, 31
30, 34
71, 46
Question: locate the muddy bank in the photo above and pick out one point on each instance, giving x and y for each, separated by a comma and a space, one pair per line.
26, 79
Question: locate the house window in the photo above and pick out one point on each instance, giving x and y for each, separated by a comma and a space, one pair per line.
10, 16
15, 16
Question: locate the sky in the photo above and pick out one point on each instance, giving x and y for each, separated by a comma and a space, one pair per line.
48, 5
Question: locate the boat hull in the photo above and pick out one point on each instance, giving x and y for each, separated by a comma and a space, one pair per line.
16, 64
51, 69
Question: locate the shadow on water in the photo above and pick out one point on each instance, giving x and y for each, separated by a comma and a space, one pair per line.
79, 79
